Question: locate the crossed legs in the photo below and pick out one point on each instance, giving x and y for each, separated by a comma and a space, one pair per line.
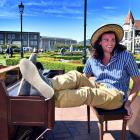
71, 89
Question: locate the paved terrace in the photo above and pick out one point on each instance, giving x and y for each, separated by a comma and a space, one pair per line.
71, 124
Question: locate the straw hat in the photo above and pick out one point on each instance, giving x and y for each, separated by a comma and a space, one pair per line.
117, 29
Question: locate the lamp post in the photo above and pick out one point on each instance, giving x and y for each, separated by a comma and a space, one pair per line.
85, 17
21, 8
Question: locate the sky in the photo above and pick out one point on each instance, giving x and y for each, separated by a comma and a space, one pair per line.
65, 18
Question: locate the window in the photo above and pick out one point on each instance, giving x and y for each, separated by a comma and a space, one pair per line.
13, 36
9, 36
34, 37
1, 42
126, 35
131, 34
25, 43
1, 36
33, 43
9, 42
25, 36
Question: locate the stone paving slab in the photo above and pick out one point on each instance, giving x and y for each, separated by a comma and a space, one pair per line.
71, 124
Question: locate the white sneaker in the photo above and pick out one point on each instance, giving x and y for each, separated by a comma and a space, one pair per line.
32, 75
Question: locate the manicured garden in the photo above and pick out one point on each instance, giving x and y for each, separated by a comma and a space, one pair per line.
50, 60
54, 60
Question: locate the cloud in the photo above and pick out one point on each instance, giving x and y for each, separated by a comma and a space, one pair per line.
109, 8
63, 10
42, 3
7, 15
54, 3
9, 9
2, 3
104, 19
63, 13
55, 8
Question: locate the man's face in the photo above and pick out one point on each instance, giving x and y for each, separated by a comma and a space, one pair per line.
108, 42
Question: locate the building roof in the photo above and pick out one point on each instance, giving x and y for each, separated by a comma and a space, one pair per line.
129, 18
137, 24
57, 38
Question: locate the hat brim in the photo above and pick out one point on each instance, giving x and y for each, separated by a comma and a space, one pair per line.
117, 29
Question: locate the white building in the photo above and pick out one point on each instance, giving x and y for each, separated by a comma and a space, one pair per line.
131, 37
48, 43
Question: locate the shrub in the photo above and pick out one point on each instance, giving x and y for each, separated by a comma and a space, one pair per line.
12, 61
138, 63
66, 57
61, 65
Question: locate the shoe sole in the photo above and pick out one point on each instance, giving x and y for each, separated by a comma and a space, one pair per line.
31, 74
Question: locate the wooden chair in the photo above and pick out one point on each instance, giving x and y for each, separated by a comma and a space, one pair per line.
108, 115
24, 110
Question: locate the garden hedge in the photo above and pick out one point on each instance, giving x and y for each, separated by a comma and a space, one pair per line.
61, 65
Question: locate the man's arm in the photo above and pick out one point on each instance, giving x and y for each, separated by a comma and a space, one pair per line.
135, 89
133, 93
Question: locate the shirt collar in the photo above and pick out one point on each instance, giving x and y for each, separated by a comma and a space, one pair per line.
115, 56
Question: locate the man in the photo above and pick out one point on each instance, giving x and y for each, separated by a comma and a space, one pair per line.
112, 67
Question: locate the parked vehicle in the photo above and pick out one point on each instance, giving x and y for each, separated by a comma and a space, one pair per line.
28, 49
16, 50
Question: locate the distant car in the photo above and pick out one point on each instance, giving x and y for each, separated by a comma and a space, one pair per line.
16, 50
137, 51
27, 49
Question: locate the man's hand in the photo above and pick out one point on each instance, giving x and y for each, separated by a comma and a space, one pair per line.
129, 110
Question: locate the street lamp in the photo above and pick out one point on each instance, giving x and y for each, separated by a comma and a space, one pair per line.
84, 49
21, 8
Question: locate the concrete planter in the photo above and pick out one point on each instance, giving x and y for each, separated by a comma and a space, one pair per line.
134, 122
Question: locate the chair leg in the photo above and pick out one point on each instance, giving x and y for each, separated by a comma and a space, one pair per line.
4, 131
106, 126
123, 136
101, 131
88, 118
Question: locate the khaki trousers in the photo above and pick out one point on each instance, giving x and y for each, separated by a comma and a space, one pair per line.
74, 89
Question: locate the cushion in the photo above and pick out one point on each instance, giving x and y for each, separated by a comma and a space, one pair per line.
117, 111
24, 88
34, 92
